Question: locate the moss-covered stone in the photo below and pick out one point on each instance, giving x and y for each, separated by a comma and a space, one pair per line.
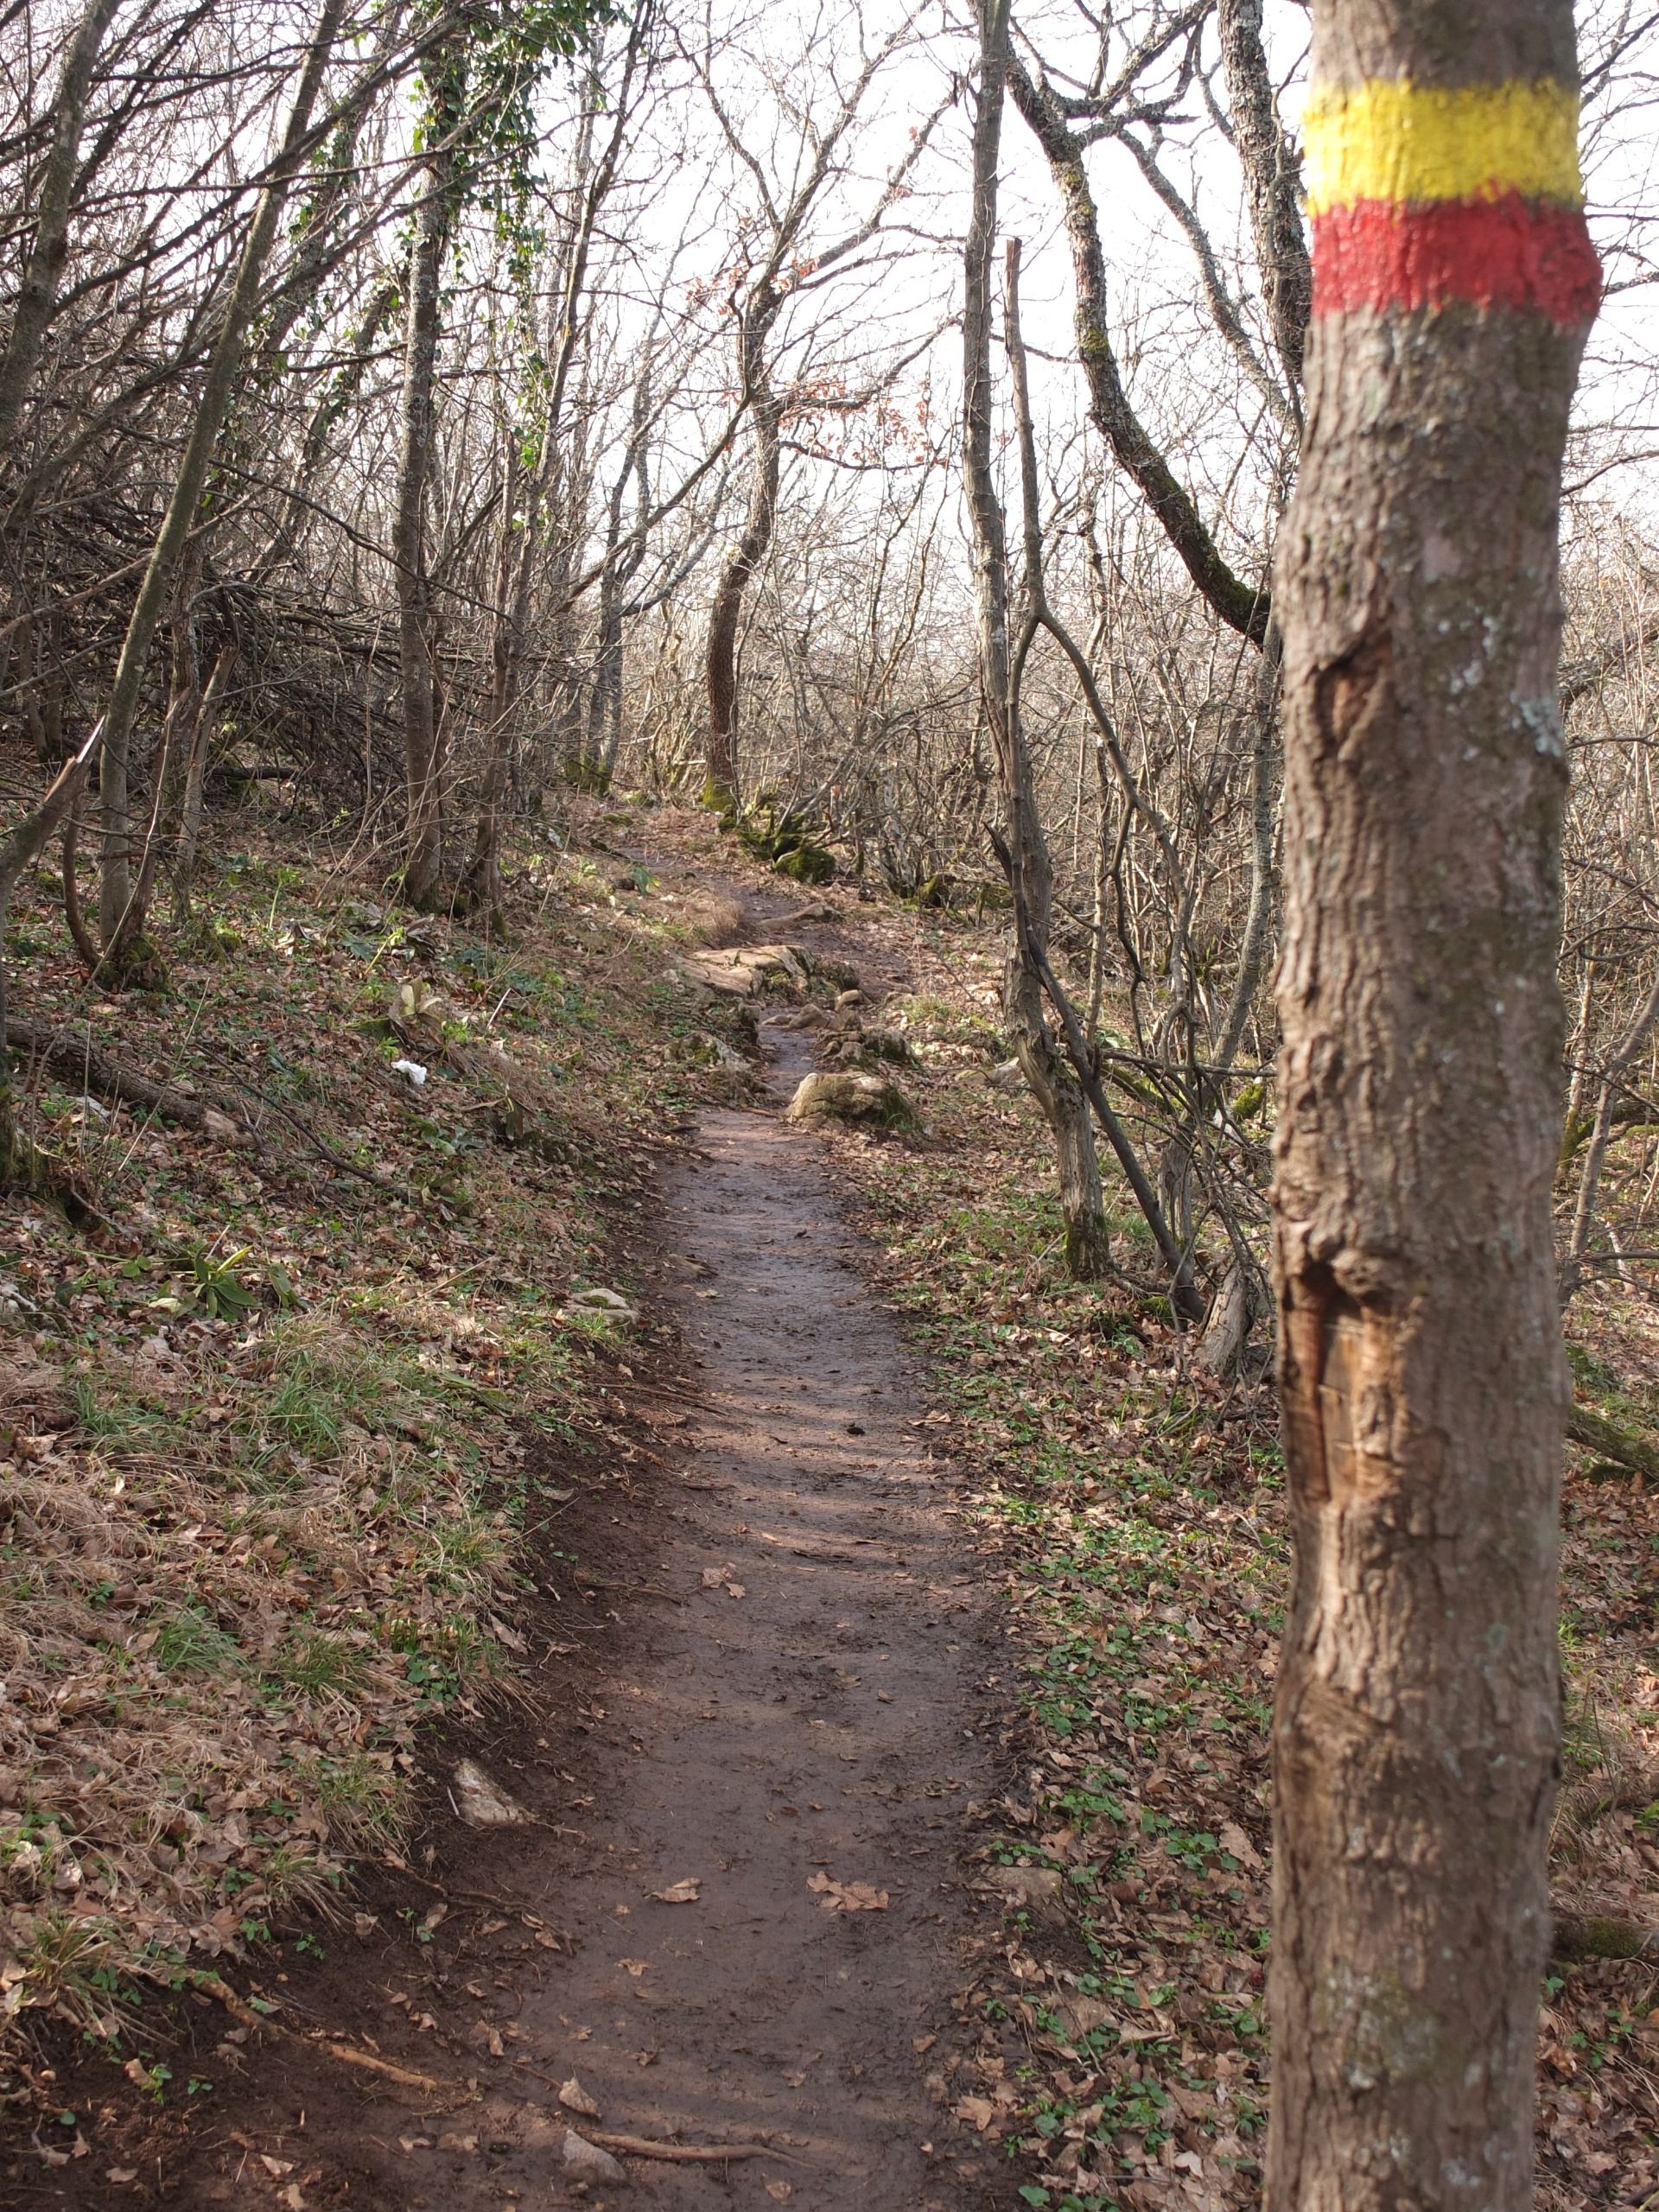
837, 1096
808, 863
784, 838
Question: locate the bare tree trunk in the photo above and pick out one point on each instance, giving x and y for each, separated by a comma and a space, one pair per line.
342, 389
1595, 1158
605, 699
37, 294
1258, 919
1241, 605
119, 916
422, 764
1416, 1732
194, 772
720, 759
1272, 179
1052, 1082
483, 882
482, 885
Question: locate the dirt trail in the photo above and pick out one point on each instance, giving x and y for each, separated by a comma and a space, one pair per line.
779, 1711
802, 1722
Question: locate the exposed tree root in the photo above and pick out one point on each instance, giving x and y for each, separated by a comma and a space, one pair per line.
683, 2154
347, 2054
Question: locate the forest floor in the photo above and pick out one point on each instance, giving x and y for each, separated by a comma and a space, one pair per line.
874, 1632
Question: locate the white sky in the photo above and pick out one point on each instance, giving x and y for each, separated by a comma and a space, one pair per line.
775, 65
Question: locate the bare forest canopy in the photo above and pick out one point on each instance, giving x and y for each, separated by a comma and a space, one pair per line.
434, 432
421, 409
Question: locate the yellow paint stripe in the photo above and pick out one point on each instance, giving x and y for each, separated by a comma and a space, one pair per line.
1394, 141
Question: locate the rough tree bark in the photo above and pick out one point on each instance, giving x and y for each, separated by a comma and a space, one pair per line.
1416, 1733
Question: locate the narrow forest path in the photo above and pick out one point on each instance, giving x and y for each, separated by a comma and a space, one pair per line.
803, 1731
738, 1914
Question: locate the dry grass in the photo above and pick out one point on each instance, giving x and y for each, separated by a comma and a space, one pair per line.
264, 1446
215, 1653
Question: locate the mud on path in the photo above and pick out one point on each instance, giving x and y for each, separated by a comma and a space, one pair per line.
777, 1728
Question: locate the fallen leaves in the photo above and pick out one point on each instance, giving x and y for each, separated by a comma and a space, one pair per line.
1032, 1889
1233, 1840
848, 1896
574, 2098
685, 1892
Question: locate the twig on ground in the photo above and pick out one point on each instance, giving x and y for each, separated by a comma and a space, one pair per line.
302, 1129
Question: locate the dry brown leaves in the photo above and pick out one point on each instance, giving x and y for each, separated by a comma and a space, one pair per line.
1133, 1517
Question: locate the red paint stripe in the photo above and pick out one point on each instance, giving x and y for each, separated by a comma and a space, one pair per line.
1507, 252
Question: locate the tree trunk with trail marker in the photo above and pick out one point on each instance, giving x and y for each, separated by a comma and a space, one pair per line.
1416, 1730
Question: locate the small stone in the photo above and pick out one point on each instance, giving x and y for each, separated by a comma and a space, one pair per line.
585, 2161
1034, 1889
610, 1305
483, 1804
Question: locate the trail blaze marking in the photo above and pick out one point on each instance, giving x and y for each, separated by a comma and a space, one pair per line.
1425, 195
